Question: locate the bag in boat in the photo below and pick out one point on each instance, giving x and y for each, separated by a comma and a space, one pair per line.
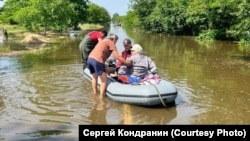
150, 79
126, 79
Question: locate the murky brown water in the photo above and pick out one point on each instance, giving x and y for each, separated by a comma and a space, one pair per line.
43, 95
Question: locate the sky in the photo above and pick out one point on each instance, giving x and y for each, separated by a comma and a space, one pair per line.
2, 2
113, 6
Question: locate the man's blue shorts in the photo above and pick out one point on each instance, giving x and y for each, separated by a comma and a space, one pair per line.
95, 67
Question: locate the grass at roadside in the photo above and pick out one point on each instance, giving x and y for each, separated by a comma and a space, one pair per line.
90, 26
13, 29
17, 31
19, 35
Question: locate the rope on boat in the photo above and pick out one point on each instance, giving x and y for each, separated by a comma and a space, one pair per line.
158, 92
159, 95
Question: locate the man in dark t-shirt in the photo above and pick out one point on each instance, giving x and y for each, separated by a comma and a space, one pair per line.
88, 43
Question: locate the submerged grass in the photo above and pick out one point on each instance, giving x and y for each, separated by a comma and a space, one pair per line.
19, 38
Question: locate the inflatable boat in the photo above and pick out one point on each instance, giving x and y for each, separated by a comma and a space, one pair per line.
162, 93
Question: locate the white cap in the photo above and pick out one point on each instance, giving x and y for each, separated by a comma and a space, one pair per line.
137, 48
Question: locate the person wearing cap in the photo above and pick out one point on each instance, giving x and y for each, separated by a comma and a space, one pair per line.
97, 58
141, 65
88, 43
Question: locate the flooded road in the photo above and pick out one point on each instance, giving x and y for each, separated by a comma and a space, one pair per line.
43, 94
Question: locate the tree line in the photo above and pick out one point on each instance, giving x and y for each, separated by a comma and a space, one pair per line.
52, 15
206, 19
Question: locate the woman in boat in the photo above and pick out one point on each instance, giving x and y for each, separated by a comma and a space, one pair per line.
97, 58
141, 66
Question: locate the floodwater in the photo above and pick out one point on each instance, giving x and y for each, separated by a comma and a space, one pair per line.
44, 96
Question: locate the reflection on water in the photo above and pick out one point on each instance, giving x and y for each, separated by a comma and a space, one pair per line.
43, 94
8, 66
136, 115
98, 111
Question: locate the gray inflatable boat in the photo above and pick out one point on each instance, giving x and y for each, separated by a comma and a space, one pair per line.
162, 93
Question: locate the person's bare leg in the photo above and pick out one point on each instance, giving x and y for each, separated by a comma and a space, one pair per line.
103, 84
94, 83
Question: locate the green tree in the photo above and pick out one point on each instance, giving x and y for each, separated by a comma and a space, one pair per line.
243, 20
192, 17
169, 17
81, 7
115, 18
143, 9
131, 19
11, 7
213, 16
197, 16
50, 15
98, 15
